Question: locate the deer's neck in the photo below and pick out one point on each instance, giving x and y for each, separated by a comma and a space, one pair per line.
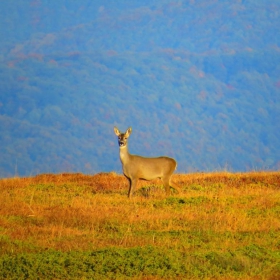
124, 155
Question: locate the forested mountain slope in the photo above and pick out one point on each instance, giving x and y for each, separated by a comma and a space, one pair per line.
196, 80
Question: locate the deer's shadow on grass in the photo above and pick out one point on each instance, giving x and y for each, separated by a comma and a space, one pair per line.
154, 191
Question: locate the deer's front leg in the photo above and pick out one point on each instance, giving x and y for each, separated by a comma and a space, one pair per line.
132, 187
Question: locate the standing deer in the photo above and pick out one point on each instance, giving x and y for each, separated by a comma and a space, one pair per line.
137, 167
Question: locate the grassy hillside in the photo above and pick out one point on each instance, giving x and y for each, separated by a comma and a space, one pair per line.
221, 225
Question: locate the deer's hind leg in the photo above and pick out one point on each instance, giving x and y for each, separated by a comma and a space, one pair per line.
175, 187
166, 184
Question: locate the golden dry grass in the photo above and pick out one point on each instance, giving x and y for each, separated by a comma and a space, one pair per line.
48, 207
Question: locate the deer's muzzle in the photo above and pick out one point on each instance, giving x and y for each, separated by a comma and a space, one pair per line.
121, 143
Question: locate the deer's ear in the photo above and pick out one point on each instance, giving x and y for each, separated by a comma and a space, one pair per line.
129, 130
117, 132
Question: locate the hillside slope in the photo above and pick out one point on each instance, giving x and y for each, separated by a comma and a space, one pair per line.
75, 226
198, 81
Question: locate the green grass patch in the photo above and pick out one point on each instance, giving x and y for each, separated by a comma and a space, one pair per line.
121, 263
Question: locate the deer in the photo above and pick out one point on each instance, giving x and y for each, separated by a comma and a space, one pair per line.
144, 168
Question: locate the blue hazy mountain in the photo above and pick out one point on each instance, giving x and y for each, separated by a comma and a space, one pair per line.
197, 80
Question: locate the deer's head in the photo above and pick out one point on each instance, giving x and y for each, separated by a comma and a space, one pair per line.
122, 137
